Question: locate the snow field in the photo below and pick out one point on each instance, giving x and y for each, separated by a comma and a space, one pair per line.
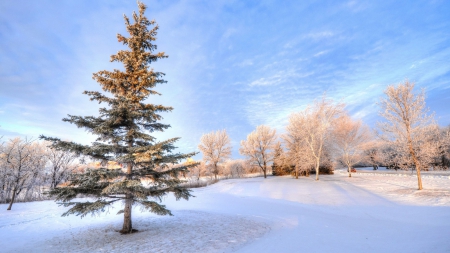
365, 213
188, 231
402, 187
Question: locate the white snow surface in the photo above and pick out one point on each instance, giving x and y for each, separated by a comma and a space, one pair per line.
368, 212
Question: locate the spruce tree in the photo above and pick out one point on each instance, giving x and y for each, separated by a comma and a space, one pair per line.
123, 129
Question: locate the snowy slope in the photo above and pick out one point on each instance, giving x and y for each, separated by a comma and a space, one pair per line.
365, 213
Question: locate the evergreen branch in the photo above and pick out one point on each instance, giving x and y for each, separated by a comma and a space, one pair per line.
69, 146
68, 193
123, 187
181, 193
95, 95
94, 176
154, 207
84, 208
88, 122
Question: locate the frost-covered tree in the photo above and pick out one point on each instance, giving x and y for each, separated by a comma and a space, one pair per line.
236, 168
258, 147
442, 161
123, 135
60, 163
349, 138
23, 162
297, 154
312, 127
216, 148
373, 153
408, 124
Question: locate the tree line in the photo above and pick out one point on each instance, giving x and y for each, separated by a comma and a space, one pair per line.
324, 136
28, 168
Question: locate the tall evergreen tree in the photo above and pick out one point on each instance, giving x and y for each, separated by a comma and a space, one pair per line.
123, 129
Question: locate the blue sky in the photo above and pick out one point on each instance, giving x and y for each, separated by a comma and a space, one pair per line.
232, 64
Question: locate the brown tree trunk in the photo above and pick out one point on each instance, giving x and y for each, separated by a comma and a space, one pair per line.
419, 178
265, 170
215, 171
12, 200
127, 225
317, 169
416, 161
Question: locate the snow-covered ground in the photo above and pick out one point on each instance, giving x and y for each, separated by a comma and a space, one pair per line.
366, 213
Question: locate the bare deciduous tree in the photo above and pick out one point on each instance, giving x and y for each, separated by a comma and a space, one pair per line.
61, 164
312, 126
216, 148
195, 172
349, 138
442, 161
236, 168
373, 152
23, 162
3, 176
407, 122
298, 154
257, 148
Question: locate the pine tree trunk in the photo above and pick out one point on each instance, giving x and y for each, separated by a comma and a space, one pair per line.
127, 225
12, 200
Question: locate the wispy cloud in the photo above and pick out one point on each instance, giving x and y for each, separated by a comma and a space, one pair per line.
356, 6
314, 36
319, 35
245, 63
279, 78
321, 53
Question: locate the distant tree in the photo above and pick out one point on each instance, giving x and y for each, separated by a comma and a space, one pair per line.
373, 152
407, 124
258, 147
61, 163
216, 148
197, 171
281, 162
349, 139
23, 164
3, 177
123, 135
442, 160
298, 154
236, 168
312, 127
